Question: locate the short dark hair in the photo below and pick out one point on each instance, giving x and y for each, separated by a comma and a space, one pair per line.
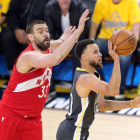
29, 28
81, 46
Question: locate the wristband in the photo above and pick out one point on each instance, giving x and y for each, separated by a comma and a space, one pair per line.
61, 39
131, 103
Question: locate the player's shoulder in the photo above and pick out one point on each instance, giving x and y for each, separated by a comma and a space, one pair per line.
26, 55
31, 53
87, 77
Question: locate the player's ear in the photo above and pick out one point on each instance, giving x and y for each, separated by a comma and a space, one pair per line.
84, 57
31, 38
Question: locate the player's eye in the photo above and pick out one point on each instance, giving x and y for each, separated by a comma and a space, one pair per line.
40, 32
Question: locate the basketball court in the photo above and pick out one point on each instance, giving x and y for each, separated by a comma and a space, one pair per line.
104, 127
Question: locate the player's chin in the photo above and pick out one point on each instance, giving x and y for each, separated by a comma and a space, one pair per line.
100, 66
47, 45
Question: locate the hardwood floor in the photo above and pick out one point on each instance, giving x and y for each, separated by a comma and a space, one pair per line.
104, 127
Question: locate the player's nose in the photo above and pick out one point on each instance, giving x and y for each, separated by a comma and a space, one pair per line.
46, 34
100, 54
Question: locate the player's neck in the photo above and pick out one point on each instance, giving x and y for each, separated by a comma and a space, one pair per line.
88, 68
36, 48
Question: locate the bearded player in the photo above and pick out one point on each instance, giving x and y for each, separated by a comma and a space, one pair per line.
25, 96
87, 93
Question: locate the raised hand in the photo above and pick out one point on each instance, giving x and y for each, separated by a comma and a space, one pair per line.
111, 51
136, 102
67, 33
82, 21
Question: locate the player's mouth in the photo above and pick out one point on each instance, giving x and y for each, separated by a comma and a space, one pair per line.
100, 60
46, 40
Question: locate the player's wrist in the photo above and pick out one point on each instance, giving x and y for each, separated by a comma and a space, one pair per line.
77, 34
62, 40
131, 104
116, 60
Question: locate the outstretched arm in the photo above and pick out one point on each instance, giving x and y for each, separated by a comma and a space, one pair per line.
56, 43
109, 105
36, 59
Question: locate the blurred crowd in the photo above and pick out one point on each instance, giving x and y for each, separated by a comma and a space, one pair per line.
106, 16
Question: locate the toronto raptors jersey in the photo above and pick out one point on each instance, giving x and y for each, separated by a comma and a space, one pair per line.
27, 92
82, 110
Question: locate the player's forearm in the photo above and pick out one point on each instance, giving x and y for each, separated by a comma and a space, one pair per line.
114, 105
115, 80
136, 29
63, 50
93, 30
55, 43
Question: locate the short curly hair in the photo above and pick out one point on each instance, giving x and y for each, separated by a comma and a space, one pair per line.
81, 46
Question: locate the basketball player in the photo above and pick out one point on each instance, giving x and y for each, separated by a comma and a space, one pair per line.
88, 92
25, 96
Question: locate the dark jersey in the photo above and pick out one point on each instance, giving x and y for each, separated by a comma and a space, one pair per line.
82, 110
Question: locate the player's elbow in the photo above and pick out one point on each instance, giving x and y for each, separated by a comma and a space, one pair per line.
56, 60
49, 62
101, 108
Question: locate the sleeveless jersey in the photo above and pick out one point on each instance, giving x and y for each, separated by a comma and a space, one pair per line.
26, 93
82, 110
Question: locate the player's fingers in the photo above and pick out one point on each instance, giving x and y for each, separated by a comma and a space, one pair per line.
70, 28
85, 13
73, 28
108, 45
86, 18
66, 30
114, 48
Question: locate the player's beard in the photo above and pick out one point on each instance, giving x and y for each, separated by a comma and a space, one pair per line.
42, 45
96, 65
